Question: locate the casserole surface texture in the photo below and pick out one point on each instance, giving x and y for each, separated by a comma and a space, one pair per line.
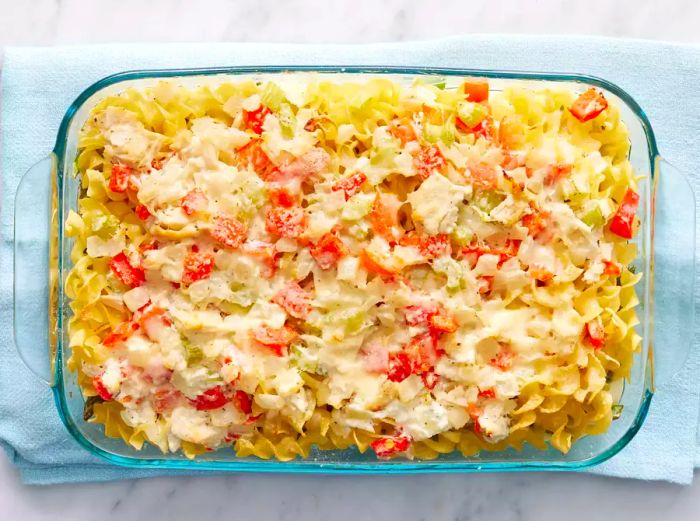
282, 264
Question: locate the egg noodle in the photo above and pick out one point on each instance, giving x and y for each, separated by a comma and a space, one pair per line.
311, 261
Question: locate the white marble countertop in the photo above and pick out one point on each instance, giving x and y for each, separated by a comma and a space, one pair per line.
491, 496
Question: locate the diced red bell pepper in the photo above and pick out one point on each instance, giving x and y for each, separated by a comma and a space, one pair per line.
197, 266
390, 446
147, 246
432, 315
429, 160
350, 184
228, 231
430, 380
276, 340
142, 212
611, 268
476, 89
503, 360
101, 389
255, 119
375, 264
213, 398
311, 163
295, 300
423, 352
435, 246
443, 322
166, 399
120, 333
536, 222
194, 201
487, 393
419, 314
243, 402
622, 223
255, 156
588, 105
328, 250
281, 195
595, 334
557, 172
483, 176
119, 180
286, 222
384, 217
127, 274
400, 367
402, 129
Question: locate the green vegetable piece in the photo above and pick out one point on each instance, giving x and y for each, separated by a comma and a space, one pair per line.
432, 133
471, 114
300, 358
273, 96
488, 200
357, 207
193, 353
287, 119
451, 269
105, 226
594, 217
354, 322
617, 410
384, 157
448, 134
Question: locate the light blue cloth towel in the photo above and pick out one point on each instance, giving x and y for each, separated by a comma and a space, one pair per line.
39, 84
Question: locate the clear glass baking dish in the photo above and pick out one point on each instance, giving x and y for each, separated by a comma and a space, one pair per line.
49, 190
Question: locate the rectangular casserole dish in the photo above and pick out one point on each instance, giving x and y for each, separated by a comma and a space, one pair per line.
40, 242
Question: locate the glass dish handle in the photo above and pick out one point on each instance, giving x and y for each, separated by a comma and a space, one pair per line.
34, 311
673, 238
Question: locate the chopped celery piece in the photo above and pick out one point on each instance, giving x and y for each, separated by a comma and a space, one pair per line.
462, 233
470, 113
617, 410
432, 133
594, 217
448, 134
450, 268
273, 96
384, 157
287, 120
488, 200
105, 225
354, 319
301, 358
193, 354
357, 207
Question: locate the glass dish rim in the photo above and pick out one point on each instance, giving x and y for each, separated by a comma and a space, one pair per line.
296, 466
